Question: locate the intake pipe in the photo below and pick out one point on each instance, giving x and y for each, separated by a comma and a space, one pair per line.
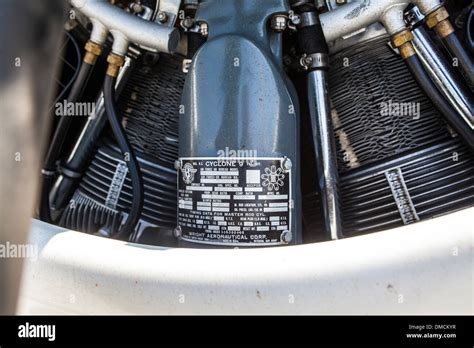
106, 17
357, 15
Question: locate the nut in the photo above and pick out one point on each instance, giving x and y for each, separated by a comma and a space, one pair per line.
115, 59
204, 29
186, 65
93, 48
93, 51
444, 28
401, 38
115, 63
406, 50
436, 17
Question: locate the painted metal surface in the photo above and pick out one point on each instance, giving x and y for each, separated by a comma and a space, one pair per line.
422, 268
236, 96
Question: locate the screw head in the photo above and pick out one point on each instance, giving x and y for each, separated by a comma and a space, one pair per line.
286, 237
286, 164
177, 232
188, 22
162, 17
295, 19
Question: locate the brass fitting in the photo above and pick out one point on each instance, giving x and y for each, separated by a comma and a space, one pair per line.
436, 16
402, 41
439, 21
115, 63
444, 28
93, 51
406, 50
401, 38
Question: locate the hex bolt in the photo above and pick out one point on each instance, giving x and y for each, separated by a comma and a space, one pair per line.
278, 23
286, 237
162, 17
177, 232
204, 28
187, 23
286, 164
136, 7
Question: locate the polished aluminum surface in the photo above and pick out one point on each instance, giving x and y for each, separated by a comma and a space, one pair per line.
356, 15
126, 27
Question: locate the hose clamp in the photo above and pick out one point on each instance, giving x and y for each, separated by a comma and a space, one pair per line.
314, 61
70, 173
413, 17
307, 19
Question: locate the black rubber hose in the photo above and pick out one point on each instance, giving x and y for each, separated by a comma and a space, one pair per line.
84, 149
470, 29
458, 51
439, 101
65, 122
128, 227
59, 136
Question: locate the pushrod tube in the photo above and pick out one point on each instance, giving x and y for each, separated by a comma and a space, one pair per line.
323, 140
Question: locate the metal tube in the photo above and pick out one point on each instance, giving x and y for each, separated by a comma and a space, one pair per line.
443, 76
359, 14
131, 28
324, 147
355, 16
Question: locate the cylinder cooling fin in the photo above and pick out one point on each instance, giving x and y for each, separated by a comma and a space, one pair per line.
398, 160
149, 104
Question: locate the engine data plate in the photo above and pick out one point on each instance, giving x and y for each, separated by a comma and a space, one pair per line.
237, 201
